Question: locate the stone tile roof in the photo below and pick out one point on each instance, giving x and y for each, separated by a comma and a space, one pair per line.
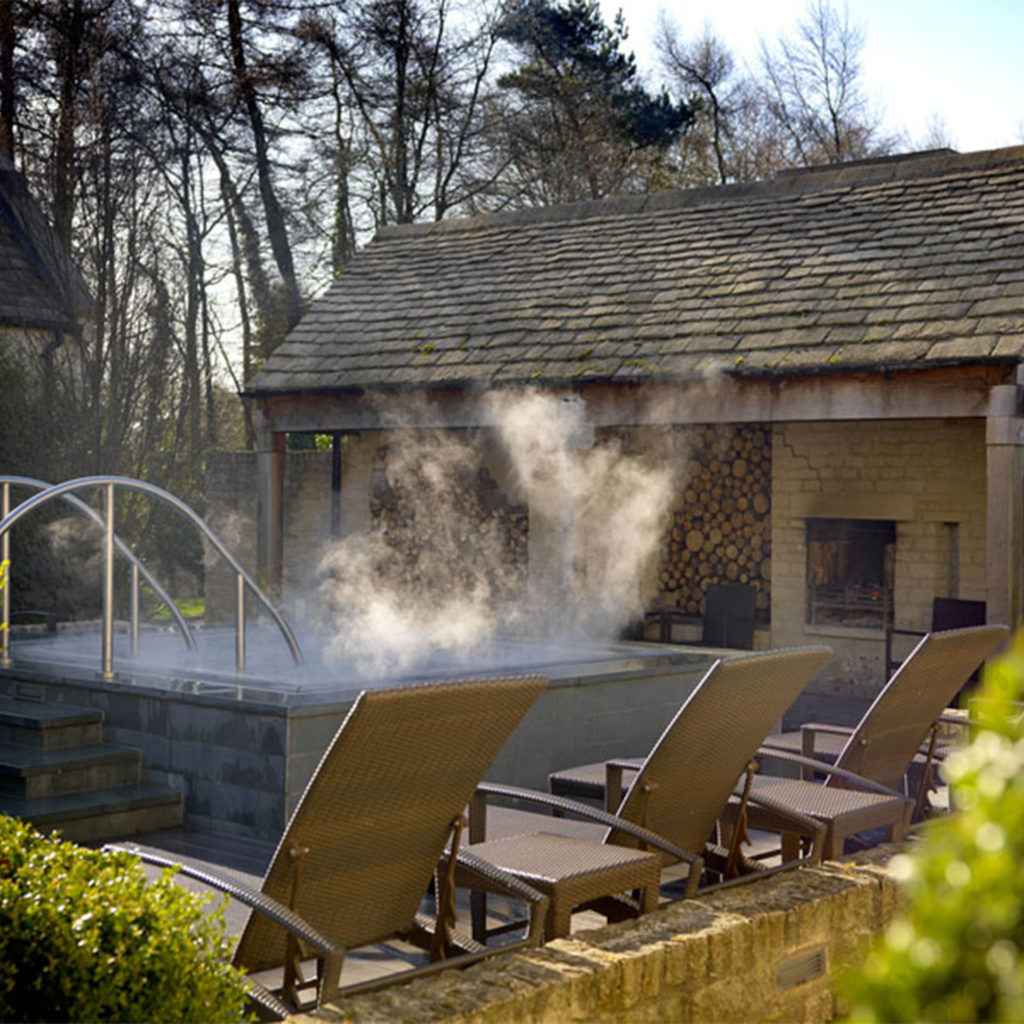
40, 287
899, 262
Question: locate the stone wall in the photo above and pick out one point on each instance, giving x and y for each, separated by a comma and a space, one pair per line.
927, 476
767, 950
232, 481
231, 500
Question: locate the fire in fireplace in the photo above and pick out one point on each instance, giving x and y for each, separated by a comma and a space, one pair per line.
850, 572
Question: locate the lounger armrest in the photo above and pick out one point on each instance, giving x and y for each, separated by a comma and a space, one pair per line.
629, 764
809, 732
516, 886
828, 769
837, 730
245, 894
485, 789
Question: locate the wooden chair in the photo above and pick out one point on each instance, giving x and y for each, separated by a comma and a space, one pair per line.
876, 756
363, 844
670, 810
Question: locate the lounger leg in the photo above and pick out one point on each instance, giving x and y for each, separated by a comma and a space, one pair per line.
558, 922
832, 848
478, 915
791, 846
724, 836
649, 899
293, 977
329, 978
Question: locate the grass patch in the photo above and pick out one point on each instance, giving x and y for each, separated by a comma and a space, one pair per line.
190, 607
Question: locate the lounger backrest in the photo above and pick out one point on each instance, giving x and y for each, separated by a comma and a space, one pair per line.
897, 723
376, 815
686, 780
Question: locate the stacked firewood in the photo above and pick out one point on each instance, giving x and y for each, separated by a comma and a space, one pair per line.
719, 528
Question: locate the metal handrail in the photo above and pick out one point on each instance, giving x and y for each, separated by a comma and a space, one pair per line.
138, 568
109, 483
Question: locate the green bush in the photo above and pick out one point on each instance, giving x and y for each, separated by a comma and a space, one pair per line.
958, 952
84, 936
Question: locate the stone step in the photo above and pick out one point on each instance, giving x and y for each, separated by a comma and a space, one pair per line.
49, 726
102, 814
33, 772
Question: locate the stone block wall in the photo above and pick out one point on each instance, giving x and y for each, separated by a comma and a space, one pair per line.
232, 480
927, 476
767, 950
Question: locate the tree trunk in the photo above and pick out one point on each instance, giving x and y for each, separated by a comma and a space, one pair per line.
7, 88
71, 37
277, 231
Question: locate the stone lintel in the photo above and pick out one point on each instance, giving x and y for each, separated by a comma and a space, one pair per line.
949, 392
1004, 452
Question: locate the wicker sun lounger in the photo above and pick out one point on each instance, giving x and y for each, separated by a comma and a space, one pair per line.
876, 757
362, 846
670, 810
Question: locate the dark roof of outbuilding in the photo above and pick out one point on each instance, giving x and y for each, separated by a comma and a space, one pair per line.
907, 261
40, 287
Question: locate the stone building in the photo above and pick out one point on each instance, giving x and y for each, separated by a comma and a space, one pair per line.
45, 309
830, 360
44, 301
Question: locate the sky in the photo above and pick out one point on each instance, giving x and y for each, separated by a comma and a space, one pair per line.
959, 63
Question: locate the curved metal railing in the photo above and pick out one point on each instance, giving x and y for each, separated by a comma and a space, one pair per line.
137, 567
109, 484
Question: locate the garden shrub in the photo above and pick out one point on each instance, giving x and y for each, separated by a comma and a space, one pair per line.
957, 954
85, 936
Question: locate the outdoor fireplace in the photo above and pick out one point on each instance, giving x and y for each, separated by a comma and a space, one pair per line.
850, 572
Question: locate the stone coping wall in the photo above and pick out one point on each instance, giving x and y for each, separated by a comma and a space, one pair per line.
763, 951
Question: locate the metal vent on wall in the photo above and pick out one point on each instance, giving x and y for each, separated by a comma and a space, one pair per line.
23, 690
800, 969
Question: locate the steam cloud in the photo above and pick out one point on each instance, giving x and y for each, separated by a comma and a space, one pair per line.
452, 580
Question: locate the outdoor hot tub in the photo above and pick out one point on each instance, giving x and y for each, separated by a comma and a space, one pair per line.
242, 747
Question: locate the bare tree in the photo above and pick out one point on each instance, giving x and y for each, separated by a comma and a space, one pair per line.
735, 137
936, 134
416, 76
706, 70
811, 84
8, 46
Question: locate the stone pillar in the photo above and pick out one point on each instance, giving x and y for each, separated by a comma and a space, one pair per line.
270, 447
1004, 447
354, 507
550, 557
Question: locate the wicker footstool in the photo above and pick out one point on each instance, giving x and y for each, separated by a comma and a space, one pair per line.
571, 872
